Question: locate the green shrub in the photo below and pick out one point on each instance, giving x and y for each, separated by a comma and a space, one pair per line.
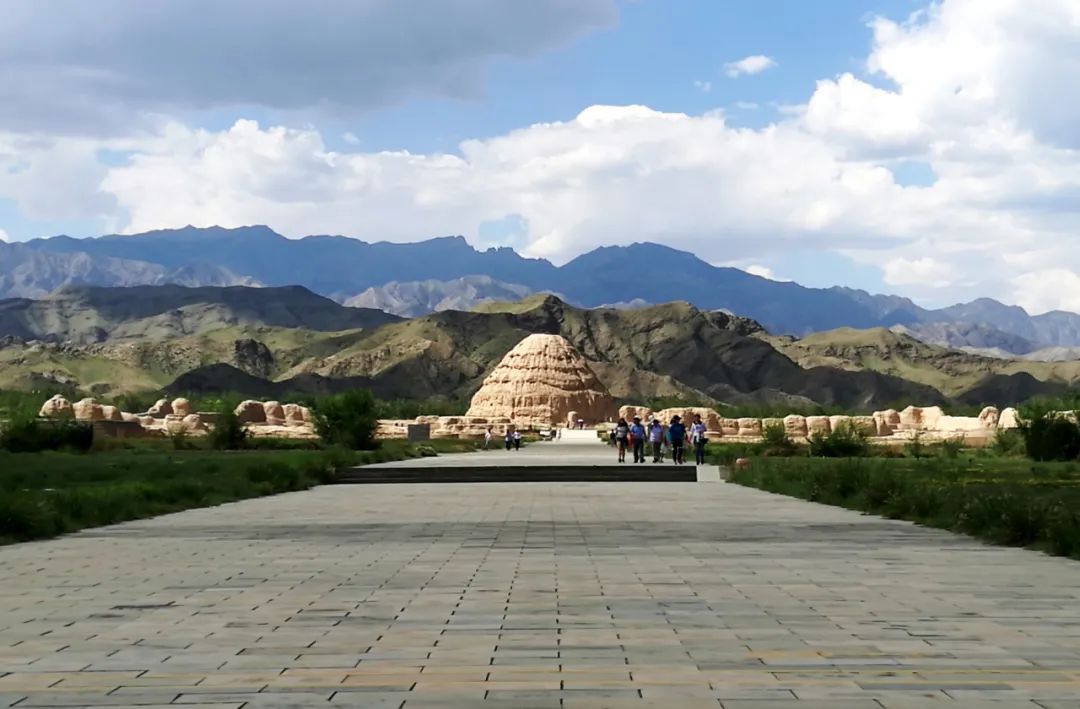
1005, 501
228, 433
951, 448
844, 442
1051, 436
28, 434
348, 419
180, 440
1008, 441
776, 442
916, 448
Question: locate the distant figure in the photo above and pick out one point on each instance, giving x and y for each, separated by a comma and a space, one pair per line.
509, 439
558, 434
581, 424
697, 437
622, 434
656, 440
667, 444
487, 438
637, 440
677, 431
517, 440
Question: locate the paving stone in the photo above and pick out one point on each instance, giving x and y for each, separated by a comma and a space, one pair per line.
579, 595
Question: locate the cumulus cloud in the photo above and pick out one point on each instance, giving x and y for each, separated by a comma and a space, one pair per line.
77, 66
999, 218
4, 236
611, 170
925, 271
749, 65
764, 272
1048, 289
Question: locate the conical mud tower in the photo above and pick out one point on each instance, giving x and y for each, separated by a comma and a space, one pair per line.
539, 382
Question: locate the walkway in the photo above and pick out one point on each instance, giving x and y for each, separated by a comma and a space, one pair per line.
535, 595
575, 448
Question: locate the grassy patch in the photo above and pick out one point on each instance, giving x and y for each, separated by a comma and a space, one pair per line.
1005, 501
50, 493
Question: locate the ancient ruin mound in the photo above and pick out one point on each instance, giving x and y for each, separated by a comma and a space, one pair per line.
539, 382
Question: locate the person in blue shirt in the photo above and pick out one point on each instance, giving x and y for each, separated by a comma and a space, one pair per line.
637, 438
656, 440
678, 438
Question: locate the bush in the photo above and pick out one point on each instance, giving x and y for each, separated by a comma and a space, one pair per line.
844, 442
1005, 501
228, 432
348, 419
28, 434
181, 441
776, 442
1051, 436
1009, 442
916, 448
952, 448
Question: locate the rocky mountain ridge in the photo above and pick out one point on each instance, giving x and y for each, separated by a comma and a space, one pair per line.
264, 341
447, 272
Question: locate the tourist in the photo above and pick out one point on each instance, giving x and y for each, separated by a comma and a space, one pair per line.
637, 440
487, 438
677, 431
517, 440
656, 440
621, 433
697, 437
509, 439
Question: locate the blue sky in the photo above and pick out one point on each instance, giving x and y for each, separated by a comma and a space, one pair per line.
921, 147
654, 56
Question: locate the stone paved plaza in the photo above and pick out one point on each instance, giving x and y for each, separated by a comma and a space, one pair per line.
534, 595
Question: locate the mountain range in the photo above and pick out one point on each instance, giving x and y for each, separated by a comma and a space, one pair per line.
447, 273
273, 341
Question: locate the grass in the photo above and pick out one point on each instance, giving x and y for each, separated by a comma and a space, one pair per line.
1008, 501
46, 494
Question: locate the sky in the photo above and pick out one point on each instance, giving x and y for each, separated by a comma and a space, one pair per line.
926, 149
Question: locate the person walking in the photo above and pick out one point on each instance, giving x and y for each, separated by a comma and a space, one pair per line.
509, 439
487, 438
678, 437
622, 433
697, 437
666, 446
637, 439
656, 440
517, 440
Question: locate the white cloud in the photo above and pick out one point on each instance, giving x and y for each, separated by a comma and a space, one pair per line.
746, 105
98, 67
1000, 219
764, 272
703, 86
351, 138
924, 271
749, 65
611, 170
1049, 289
4, 236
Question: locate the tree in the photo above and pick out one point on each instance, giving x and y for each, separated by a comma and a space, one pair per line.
228, 433
347, 419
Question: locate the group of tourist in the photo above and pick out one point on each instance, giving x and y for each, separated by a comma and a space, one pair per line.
661, 438
512, 439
